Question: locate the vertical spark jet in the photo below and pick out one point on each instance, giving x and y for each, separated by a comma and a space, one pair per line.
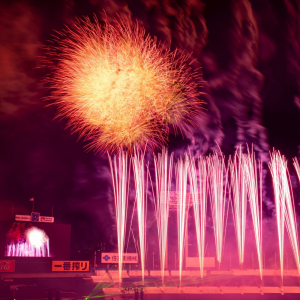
141, 202
199, 204
120, 179
217, 178
238, 186
255, 201
275, 169
163, 180
181, 170
285, 209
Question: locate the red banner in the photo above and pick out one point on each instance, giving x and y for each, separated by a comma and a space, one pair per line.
7, 265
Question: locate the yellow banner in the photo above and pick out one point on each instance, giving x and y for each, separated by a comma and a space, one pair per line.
70, 266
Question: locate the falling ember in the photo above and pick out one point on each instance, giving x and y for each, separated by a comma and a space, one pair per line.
255, 201
199, 204
120, 179
119, 87
217, 178
237, 169
163, 180
141, 203
181, 171
284, 203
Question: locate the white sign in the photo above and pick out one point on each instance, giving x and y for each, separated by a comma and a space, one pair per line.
28, 218
22, 218
46, 219
113, 258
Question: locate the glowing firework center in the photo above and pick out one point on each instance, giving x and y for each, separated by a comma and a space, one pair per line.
33, 243
119, 87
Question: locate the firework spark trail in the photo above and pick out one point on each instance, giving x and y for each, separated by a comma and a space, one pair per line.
290, 217
239, 194
285, 209
199, 203
118, 86
141, 203
181, 170
120, 179
275, 169
255, 201
217, 178
163, 180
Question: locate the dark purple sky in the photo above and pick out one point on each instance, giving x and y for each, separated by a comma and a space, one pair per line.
250, 57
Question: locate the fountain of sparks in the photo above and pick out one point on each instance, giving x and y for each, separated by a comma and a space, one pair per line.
120, 179
181, 171
255, 201
141, 203
284, 202
163, 180
199, 196
217, 178
237, 169
34, 244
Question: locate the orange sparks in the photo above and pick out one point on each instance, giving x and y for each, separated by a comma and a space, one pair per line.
119, 87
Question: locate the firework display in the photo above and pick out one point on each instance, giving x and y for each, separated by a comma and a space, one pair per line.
239, 195
255, 200
119, 87
120, 178
181, 171
285, 210
138, 163
163, 181
199, 198
217, 178
209, 179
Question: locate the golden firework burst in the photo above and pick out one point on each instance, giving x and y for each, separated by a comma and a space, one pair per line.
119, 87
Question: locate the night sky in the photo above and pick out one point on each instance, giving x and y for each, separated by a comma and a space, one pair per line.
249, 52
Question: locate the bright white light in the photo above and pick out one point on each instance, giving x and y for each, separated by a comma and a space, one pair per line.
36, 237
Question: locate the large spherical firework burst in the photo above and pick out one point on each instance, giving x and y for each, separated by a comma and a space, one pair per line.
119, 87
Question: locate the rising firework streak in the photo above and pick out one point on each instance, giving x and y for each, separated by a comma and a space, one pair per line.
217, 178
120, 179
181, 170
163, 182
285, 210
255, 200
199, 198
141, 202
238, 170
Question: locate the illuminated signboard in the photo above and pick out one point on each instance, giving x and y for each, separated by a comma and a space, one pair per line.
112, 258
70, 266
35, 217
7, 265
